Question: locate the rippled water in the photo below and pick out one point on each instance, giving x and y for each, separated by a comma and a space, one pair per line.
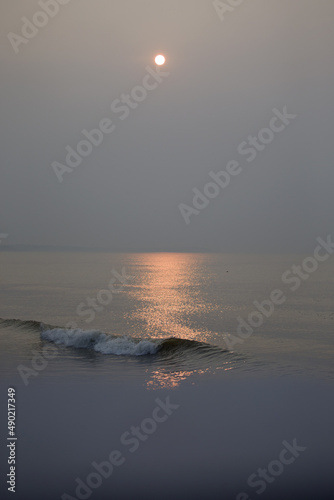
153, 297
90, 358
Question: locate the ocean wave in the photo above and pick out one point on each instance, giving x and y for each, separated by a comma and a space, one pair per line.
170, 348
100, 342
24, 324
125, 346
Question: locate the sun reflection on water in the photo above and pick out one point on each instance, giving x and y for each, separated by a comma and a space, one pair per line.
170, 300
169, 293
164, 380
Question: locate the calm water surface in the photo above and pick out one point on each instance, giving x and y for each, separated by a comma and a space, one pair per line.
152, 297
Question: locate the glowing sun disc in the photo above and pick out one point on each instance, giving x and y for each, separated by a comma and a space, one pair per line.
160, 60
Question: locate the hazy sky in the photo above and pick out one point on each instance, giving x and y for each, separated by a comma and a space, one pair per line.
226, 75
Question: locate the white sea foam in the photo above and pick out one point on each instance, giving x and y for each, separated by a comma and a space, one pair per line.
100, 342
126, 346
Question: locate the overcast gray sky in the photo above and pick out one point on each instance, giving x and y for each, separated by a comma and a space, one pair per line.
226, 75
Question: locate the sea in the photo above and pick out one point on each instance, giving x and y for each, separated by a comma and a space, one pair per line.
166, 376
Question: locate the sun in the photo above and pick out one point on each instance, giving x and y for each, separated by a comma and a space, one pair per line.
160, 59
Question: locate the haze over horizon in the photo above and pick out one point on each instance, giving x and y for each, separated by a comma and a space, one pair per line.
225, 78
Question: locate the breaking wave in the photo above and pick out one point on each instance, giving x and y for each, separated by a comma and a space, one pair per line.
104, 343
100, 342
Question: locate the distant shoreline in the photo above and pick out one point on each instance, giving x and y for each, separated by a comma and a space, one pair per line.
37, 248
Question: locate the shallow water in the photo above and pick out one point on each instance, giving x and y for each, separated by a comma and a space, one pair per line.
88, 366
197, 297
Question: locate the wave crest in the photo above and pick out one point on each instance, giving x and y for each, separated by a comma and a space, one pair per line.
100, 342
170, 349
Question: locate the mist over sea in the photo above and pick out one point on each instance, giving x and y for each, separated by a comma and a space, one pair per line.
93, 343
166, 250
